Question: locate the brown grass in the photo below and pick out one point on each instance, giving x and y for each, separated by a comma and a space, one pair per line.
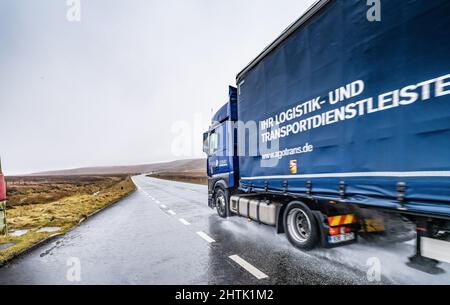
56, 202
188, 177
40, 190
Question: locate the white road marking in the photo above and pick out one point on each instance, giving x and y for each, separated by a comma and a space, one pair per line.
249, 267
411, 242
163, 206
158, 202
171, 212
205, 237
183, 221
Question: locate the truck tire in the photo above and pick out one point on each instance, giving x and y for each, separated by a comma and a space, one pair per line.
222, 202
301, 226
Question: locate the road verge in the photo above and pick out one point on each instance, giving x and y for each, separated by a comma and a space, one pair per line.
66, 214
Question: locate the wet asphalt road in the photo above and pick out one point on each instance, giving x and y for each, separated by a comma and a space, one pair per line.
151, 237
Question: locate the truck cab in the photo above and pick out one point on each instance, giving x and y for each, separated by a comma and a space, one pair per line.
219, 144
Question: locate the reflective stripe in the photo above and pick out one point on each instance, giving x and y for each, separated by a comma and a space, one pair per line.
357, 174
341, 220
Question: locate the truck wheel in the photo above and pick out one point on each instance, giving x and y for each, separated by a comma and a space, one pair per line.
222, 202
301, 226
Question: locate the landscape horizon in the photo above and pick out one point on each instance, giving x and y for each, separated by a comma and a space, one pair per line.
194, 166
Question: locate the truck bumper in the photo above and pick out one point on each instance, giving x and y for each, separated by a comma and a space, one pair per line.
325, 223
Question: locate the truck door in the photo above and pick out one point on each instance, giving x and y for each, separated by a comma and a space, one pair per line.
213, 160
218, 159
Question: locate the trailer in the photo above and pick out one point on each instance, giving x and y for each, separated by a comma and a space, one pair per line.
341, 127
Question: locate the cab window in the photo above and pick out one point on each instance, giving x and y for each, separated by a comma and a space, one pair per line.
213, 143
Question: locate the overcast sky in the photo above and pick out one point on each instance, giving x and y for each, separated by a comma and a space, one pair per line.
113, 88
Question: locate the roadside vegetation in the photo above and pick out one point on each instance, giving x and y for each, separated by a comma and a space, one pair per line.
58, 202
187, 177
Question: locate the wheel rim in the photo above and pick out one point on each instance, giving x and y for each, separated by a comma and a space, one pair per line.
299, 225
220, 203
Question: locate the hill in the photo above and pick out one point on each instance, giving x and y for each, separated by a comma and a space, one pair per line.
192, 166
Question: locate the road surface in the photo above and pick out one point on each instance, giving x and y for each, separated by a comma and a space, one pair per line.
164, 233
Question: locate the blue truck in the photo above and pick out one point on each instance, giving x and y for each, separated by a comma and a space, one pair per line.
342, 123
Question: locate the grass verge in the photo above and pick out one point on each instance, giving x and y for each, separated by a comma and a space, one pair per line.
182, 177
64, 213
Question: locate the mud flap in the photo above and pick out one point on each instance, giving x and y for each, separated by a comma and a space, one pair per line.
211, 202
280, 220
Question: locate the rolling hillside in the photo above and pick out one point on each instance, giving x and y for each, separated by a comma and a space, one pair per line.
195, 167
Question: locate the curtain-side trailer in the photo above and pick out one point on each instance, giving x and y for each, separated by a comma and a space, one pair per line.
341, 124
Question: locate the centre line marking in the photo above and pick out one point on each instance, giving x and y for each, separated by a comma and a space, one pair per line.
183, 221
158, 202
249, 267
206, 237
171, 212
163, 206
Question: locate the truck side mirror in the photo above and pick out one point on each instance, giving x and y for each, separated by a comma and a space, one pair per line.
206, 142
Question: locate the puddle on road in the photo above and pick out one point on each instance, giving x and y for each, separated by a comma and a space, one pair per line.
18, 233
49, 230
6, 246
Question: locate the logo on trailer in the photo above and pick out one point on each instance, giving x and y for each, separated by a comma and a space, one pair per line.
293, 166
